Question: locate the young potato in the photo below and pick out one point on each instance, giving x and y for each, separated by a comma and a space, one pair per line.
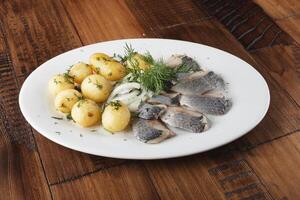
107, 67
112, 70
79, 71
97, 60
65, 100
140, 60
86, 113
59, 83
116, 116
96, 88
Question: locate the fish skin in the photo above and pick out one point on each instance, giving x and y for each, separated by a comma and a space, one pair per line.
166, 99
185, 119
199, 83
149, 111
150, 131
208, 104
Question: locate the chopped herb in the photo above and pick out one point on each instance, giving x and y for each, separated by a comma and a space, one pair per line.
124, 139
109, 74
55, 123
68, 99
115, 104
93, 130
68, 78
58, 118
81, 135
79, 97
80, 102
98, 58
89, 80
69, 116
58, 132
98, 85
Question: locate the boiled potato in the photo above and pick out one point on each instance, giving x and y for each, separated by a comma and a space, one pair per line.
79, 71
98, 59
140, 61
59, 83
112, 70
65, 100
107, 67
116, 116
96, 88
86, 113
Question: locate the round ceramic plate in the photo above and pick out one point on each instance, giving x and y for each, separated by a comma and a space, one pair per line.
247, 89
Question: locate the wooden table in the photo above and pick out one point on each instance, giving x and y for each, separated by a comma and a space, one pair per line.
264, 164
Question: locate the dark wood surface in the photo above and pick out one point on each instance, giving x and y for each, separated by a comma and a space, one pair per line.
264, 164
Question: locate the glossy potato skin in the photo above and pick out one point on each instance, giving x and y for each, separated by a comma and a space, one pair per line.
80, 71
115, 119
86, 113
107, 67
59, 83
65, 100
139, 59
96, 88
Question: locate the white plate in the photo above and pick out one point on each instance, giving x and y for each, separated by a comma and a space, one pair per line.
247, 88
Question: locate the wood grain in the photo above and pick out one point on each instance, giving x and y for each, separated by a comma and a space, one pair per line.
164, 13
280, 9
292, 26
94, 22
123, 182
282, 64
22, 176
278, 165
250, 25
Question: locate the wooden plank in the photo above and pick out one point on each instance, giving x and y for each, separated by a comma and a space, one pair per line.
250, 25
280, 9
98, 21
164, 13
22, 175
278, 166
282, 63
292, 26
122, 182
47, 33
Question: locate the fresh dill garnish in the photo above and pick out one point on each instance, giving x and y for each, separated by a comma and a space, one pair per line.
80, 102
93, 130
115, 104
58, 118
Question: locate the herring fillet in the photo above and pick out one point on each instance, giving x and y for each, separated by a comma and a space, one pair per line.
149, 111
150, 131
199, 83
185, 119
208, 104
166, 99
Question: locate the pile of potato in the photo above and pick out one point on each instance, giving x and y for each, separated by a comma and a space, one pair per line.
95, 83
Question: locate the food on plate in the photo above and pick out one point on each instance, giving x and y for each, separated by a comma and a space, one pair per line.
79, 71
148, 111
139, 60
116, 116
185, 119
96, 88
199, 83
137, 91
59, 83
65, 100
107, 67
165, 98
86, 113
208, 104
150, 131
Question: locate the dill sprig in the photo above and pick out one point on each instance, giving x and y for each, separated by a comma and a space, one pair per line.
154, 78
116, 104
